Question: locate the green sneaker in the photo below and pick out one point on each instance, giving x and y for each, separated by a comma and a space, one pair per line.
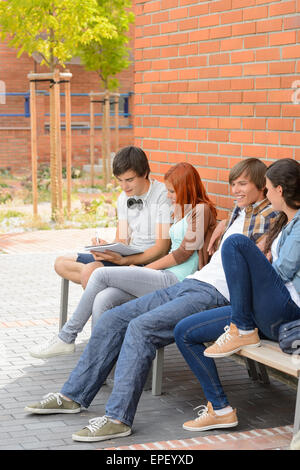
53, 403
101, 429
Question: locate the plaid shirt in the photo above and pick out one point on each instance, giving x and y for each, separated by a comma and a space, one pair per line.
258, 219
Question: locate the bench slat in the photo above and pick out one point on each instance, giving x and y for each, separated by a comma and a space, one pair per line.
271, 355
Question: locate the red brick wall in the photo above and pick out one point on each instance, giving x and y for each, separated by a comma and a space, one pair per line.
15, 151
213, 84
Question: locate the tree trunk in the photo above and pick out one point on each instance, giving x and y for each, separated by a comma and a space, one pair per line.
60, 214
53, 154
53, 158
92, 138
33, 148
107, 120
68, 143
104, 141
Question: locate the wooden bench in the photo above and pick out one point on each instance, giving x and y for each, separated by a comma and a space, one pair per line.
268, 354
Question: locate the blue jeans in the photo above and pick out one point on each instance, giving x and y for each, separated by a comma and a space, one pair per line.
109, 287
190, 335
130, 334
258, 298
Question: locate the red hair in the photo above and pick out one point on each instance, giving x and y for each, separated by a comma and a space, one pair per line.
188, 186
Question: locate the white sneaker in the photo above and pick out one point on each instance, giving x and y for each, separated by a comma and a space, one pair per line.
295, 444
54, 347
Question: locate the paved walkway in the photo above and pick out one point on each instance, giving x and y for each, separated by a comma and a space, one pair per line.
29, 305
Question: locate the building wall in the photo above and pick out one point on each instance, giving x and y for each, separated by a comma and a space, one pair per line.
15, 151
216, 82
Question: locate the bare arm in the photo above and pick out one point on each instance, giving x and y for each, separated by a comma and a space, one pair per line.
216, 235
165, 262
192, 241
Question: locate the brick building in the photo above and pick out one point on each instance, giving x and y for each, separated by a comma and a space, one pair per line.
215, 82
15, 152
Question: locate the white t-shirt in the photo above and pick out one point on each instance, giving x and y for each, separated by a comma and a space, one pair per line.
142, 223
213, 272
289, 285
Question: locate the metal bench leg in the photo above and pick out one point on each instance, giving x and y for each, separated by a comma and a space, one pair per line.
297, 411
262, 373
257, 371
157, 372
64, 295
252, 371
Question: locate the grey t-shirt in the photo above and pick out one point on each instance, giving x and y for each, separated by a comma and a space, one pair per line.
142, 223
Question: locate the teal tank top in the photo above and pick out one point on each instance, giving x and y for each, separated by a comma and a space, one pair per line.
177, 233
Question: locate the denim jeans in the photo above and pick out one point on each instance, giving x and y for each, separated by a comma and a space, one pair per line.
130, 335
190, 335
109, 287
258, 298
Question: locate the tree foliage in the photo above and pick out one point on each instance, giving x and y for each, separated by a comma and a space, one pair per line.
55, 29
112, 55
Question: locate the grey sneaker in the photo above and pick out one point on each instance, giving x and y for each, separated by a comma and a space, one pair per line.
100, 429
53, 403
54, 347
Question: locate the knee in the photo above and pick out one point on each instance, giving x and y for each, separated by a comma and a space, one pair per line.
60, 265
234, 240
189, 331
138, 330
180, 331
102, 303
94, 273
87, 271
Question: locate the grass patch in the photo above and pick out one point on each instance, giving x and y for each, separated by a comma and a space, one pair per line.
10, 214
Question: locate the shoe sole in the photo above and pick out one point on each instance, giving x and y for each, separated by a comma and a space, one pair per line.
213, 426
47, 356
75, 437
41, 411
229, 353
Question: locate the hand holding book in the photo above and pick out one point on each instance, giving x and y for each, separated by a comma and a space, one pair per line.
121, 248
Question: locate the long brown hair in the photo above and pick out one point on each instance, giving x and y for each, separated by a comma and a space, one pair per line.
284, 173
188, 187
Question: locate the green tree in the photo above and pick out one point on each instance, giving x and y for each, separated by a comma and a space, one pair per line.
110, 56
55, 29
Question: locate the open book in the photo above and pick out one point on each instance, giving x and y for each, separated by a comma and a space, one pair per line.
124, 250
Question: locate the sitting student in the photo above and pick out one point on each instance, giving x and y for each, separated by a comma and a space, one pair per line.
130, 334
264, 293
195, 219
143, 220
